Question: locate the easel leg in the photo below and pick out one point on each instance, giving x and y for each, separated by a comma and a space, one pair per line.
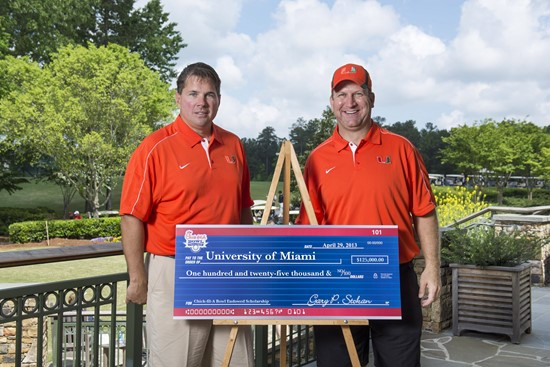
282, 345
351, 346
230, 346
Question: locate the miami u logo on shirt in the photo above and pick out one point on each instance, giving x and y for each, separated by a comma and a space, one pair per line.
381, 160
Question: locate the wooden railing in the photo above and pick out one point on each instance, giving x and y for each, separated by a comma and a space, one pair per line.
78, 319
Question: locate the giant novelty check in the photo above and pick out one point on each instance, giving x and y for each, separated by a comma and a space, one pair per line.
284, 272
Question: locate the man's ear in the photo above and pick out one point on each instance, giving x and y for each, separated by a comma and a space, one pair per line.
371, 97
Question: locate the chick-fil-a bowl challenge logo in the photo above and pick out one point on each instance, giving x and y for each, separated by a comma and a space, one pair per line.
195, 241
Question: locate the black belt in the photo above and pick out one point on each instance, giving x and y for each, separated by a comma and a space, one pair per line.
170, 256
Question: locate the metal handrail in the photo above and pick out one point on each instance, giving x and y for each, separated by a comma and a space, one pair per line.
16, 306
51, 255
494, 209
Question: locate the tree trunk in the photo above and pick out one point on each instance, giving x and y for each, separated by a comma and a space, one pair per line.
500, 194
109, 201
95, 200
68, 193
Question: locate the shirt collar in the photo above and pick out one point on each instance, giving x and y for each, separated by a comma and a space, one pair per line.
191, 137
373, 136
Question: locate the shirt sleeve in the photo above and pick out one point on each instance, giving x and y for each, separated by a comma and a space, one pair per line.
137, 188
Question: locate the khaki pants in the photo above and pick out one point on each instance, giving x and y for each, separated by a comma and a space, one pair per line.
186, 343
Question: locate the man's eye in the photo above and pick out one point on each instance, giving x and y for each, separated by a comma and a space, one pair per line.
193, 94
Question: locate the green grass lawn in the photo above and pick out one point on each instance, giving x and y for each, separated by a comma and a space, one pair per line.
68, 270
46, 194
64, 270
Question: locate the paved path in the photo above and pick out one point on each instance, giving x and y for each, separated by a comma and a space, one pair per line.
484, 350
491, 350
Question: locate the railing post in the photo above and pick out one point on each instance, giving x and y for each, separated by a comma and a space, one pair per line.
260, 337
134, 334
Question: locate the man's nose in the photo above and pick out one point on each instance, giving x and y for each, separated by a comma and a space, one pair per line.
349, 100
202, 99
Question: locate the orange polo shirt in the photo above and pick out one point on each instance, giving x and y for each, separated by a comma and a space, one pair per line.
170, 179
383, 183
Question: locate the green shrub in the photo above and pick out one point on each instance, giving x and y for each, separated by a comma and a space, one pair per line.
35, 231
517, 197
487, 246
15, 215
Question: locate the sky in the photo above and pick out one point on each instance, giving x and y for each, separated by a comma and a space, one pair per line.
448, 62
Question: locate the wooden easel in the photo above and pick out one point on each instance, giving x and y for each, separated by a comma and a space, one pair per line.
287, 160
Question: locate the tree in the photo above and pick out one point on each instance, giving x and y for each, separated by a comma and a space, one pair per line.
545, 168
93, 106
306, 135
113, 21
495, 150
157, 41
429, 145
302, 135
463, 149
499, 152
325, 126
379, 120
406, 129
533, 140
428, 141
16, 150
269, 145
261, 153
4, 37
38, 28
253, 158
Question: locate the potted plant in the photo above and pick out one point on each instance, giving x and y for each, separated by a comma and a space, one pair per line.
491, 287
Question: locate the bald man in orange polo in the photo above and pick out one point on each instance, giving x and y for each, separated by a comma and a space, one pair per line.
189, 172
364, 174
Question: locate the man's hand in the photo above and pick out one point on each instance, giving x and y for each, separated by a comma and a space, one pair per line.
430, 286
427, 229
137, 292
133, 246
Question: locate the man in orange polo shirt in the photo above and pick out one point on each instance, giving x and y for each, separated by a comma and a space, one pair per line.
364, 174
188, 172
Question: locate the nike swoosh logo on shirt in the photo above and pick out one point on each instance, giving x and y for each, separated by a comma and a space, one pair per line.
185, 165
330, 169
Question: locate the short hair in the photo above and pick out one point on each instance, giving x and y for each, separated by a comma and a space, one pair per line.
201, 71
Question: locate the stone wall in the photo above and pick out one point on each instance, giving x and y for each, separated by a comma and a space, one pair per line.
439, 315
28, 343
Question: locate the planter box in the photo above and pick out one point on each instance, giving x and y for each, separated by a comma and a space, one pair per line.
492, 299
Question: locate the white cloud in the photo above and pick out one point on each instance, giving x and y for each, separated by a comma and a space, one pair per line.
246, 119
202, 24
449, 120
495, 66
406, 65
229, 72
